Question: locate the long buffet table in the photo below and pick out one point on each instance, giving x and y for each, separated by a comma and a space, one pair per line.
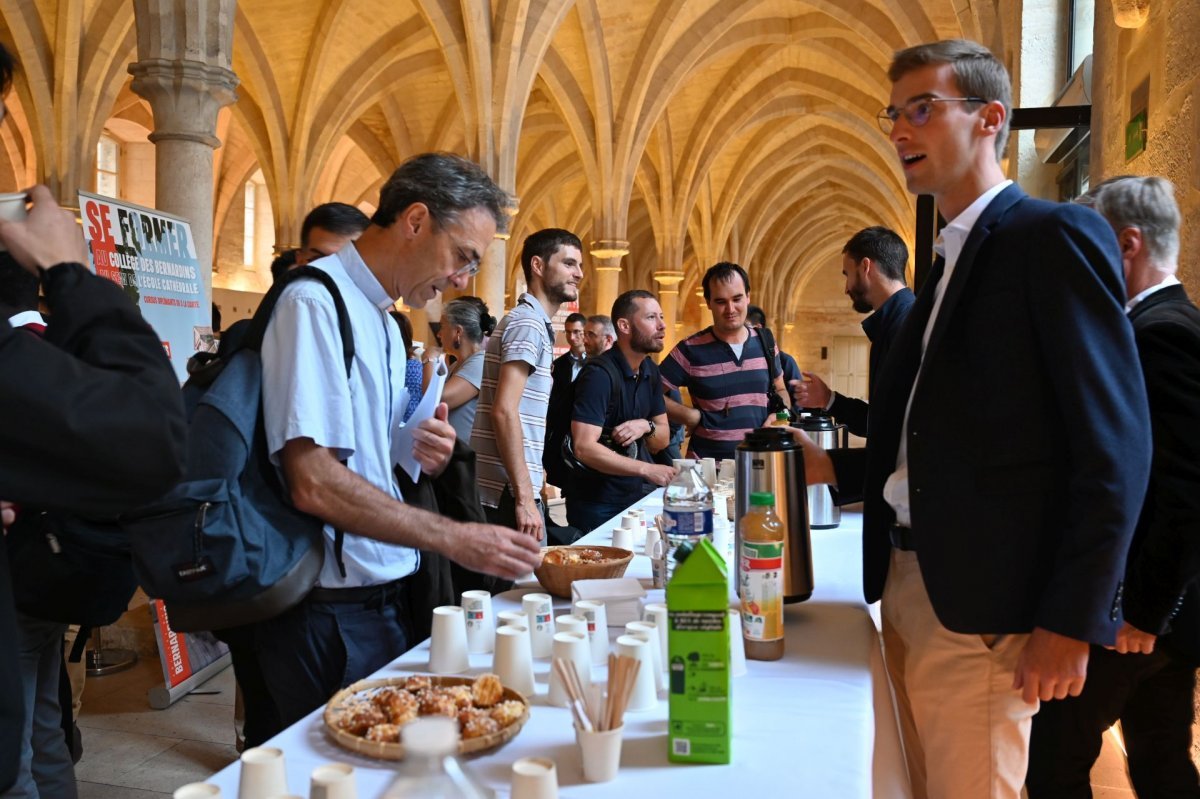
818, 723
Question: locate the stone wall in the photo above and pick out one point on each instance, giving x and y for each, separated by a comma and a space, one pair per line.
1166, 50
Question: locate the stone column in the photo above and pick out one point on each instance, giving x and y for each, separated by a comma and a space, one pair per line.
607, 255
705, 315
489, 283
668, 298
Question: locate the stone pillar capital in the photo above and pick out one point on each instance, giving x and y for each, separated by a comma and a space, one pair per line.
185, 97
669, 280
608, 253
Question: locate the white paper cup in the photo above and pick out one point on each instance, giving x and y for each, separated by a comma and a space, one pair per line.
12, 209
597, 627
333, 781
575, 649
600, 752
197, 790
649, 631
539, 610
513, 662
534, 778
727, 470
708, 471
571, 623
516, 617
262, 774
645, 696
737, 645
657, 613
286, 796
448, 641
481, 624
622, 537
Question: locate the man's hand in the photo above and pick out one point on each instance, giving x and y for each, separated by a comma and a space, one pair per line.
811, 392
1051, 666
433, 442
530, 521
627, 432
658, 474
7, 514
818, 467
494, 550
50, 235
1132, 641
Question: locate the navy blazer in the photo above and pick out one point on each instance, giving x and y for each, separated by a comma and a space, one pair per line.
1028, 436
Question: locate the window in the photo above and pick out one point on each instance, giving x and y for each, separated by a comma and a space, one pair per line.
1081, 20
248, 226
108, 153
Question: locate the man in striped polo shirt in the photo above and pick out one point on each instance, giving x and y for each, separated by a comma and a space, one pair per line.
724, 368
510, 419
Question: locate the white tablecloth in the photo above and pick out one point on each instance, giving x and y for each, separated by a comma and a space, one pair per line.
818, 723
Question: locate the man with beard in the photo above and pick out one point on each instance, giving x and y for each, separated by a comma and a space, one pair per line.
510, 420
725, 368
563, 371
598, 335
873, 262
620, 418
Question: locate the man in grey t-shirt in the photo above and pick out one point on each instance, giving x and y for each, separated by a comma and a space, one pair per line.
510, 419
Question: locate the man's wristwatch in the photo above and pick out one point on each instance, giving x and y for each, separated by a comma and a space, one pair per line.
649, 432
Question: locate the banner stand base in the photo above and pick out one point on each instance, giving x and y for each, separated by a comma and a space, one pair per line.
162, 697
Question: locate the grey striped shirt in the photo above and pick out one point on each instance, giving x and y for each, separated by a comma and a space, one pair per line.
522, 335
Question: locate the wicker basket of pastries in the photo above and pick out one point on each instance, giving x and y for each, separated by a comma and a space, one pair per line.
562, 566
366, 717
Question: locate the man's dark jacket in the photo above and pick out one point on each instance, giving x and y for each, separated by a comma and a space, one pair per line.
93, 425
881, 328
558, 419
1161, 594
1028, 441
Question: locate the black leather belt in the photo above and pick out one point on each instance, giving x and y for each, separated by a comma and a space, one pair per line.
369, 595
902, 538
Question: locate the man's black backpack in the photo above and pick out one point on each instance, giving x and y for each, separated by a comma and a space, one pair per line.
226, 546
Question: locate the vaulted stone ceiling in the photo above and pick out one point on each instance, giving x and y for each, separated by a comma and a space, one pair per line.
696, 130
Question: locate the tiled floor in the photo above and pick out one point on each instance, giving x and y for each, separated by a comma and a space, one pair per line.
133, 752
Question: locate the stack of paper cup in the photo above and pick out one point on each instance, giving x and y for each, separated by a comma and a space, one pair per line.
597, 627
448, 641
197, 790
333, 781
648, 631
645, 696
540, 619
262, 773
657, 612
573, 648
481, 624
513, 662
622, 535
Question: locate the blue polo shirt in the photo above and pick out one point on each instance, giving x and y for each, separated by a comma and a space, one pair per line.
641, 398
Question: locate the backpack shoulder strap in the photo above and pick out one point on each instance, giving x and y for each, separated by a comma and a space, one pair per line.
768, 342
262, 315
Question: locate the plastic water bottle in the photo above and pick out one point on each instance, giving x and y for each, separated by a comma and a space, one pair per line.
687, 508
430, 769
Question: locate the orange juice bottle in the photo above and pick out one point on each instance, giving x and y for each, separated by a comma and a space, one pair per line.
760, 582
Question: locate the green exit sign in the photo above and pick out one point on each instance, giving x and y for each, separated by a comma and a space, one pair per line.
1135, 135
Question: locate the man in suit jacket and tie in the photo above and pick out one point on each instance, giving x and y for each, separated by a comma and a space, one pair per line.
1148, 679
1008, 449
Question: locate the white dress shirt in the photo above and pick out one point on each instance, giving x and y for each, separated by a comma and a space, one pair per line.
1169, 280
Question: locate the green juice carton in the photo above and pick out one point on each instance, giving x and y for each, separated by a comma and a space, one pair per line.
699, 730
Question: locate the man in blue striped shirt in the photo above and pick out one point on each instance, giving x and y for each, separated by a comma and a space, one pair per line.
724, 368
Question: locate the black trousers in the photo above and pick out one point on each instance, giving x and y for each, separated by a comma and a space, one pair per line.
1151, 695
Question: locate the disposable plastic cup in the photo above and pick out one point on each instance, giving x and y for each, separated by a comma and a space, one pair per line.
600, 753
534, 778
737, 645
513, 662
197, 790
727, 469
448, 641
262, 773
333, 781
12, 209
575, 649
539, 610
657, 613
708, 471
481, 623
597, 627
571, 623
649, 631
645, 696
